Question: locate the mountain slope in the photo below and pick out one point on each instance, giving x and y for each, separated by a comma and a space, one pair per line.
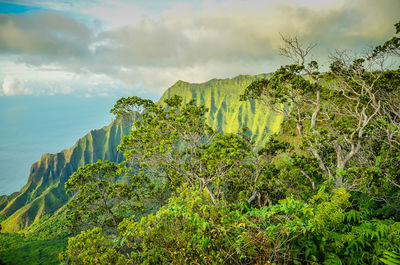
44, 192
226, 113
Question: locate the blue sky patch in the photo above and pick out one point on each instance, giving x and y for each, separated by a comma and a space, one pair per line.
6, 8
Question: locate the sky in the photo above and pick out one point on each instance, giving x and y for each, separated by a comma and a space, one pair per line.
141, 47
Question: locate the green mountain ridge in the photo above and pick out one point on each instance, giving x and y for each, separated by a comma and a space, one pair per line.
226, 112
44, 192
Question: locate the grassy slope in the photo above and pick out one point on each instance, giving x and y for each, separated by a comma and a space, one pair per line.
20, 249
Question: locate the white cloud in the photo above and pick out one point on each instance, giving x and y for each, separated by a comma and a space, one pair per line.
52, 81
12, 86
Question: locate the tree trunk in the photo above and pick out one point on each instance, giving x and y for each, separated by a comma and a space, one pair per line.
338, 175
338, 181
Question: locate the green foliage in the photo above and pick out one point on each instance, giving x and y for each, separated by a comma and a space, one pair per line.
126, 107
391, 258
285, 87
255, 89
100, 200
192, 230
174, 145
324, 231
391, 46
20, 249
336, 113
273, 147
89, 248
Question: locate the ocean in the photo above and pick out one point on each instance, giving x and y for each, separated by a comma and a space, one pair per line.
33, 125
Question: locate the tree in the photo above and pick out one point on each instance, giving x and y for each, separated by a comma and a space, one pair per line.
91, 247
338, 108
100, 199
173, 145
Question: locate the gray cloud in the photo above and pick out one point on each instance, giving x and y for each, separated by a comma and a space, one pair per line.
45, 34
238, 33
218, 39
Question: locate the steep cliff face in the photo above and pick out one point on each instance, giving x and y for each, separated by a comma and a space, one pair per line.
44, 191
226, 112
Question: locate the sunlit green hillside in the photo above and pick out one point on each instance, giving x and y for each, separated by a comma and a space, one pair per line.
226, 112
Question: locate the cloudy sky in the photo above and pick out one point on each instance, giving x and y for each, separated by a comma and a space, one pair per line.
141, 47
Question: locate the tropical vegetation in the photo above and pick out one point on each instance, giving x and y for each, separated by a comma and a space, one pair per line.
324, 190
322, 187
